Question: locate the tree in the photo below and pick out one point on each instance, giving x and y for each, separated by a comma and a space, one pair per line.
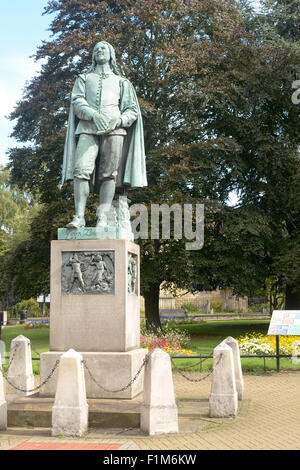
217, 117
280, 24
159, 44
283, 18
17, 209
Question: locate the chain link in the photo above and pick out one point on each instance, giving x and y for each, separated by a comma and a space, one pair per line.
35, 352
197, 363
12, 356
146, 359
35, 389
202, 378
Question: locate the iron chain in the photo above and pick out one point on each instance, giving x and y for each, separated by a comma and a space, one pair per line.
201, 378
197, 363
35, 389
12, 356
146, 359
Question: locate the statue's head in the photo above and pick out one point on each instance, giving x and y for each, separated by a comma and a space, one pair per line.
108, 50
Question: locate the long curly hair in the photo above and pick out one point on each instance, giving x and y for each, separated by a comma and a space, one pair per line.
112, 61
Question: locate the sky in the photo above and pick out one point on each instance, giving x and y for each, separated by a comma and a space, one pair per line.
22, 30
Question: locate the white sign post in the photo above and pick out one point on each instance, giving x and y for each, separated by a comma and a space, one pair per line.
284, 322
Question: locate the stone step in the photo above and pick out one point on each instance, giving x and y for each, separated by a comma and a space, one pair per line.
35, 411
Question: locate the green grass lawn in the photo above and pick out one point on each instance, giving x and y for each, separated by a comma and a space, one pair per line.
205, 336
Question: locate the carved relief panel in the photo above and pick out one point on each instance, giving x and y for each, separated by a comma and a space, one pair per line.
88, 272
132, 274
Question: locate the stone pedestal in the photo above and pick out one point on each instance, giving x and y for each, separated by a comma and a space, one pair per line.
70, 410
223, 400
95, 310
20, 372
159, 413
239, 381
112, 370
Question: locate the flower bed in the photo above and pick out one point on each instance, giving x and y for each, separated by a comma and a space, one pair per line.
258, 344
37, 323
172, 341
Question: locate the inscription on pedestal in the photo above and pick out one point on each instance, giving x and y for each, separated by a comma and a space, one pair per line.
88, 272
132, 274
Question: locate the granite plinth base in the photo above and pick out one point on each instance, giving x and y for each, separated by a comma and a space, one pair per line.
94, 307
111, 370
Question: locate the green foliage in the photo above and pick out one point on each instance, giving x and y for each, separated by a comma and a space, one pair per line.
17, 210
31, 306
216, 305
282, 17
190, 308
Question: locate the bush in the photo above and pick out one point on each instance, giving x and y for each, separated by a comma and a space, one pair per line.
190, 308
258, 308
31, 306
169, 339
216, 305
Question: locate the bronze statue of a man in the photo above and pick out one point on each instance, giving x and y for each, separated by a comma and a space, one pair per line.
104, 146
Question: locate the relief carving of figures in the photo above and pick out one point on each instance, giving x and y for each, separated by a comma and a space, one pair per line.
76, 275
102, 279
88, 272
132, 274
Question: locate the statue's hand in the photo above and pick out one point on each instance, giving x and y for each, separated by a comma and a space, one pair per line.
101, 122
113, 124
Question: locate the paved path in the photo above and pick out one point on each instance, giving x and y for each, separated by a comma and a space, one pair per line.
269, 418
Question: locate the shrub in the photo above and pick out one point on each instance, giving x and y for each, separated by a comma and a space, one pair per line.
190, 308
31, 306
216, 305
169, 339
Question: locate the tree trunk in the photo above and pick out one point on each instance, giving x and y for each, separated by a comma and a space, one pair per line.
292, 299
151, 297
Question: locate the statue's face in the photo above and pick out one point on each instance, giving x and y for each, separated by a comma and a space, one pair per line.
101, 53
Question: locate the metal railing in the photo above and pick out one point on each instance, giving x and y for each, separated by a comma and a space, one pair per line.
245, 356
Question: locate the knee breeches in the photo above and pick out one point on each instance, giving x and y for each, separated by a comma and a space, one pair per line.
88, 147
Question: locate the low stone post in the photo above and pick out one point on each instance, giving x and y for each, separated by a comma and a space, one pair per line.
158, 410
20, 373
3, 404
223, 400
239, 381
70, 410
